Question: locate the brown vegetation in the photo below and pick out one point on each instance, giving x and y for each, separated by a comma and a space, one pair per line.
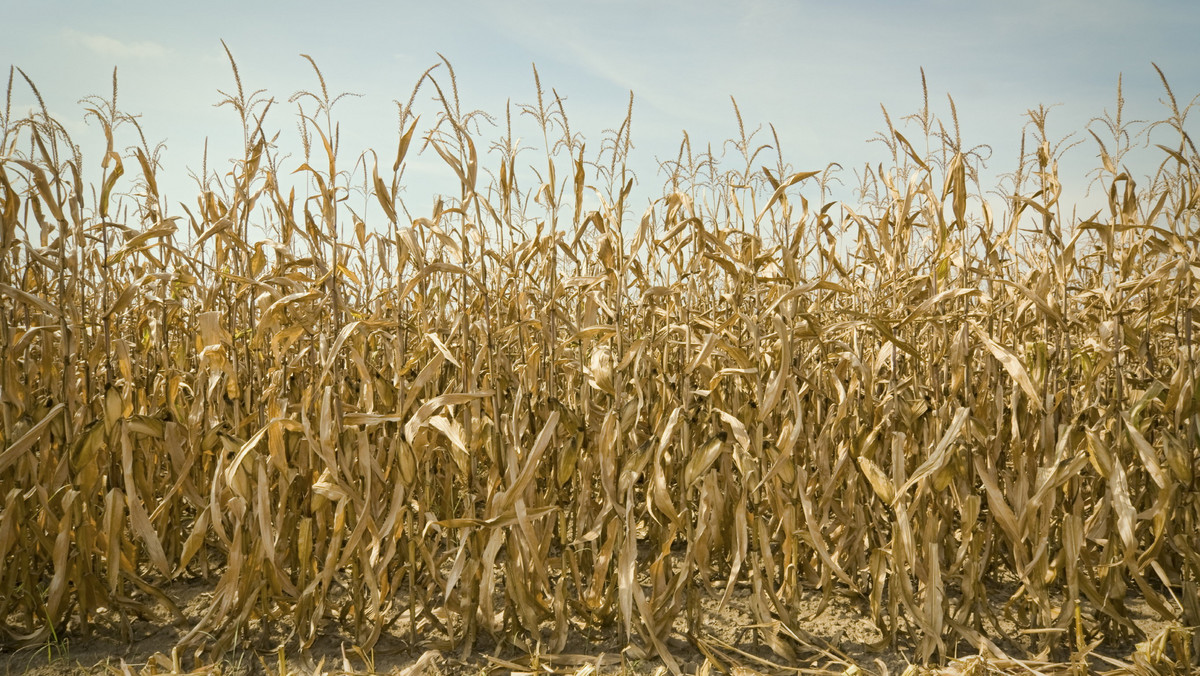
519, 418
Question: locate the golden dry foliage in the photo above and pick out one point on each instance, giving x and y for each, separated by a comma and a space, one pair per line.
519, 416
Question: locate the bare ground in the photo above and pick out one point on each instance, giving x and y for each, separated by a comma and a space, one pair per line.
839, 638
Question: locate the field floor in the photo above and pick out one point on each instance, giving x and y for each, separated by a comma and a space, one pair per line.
841, 639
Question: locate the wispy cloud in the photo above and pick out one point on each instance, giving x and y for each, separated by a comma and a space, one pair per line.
109, 47
636, 56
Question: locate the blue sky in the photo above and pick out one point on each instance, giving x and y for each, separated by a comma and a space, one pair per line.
817, 70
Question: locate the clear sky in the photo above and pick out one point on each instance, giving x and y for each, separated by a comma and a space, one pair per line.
817, 70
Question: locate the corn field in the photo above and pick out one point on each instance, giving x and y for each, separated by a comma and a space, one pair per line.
537, 407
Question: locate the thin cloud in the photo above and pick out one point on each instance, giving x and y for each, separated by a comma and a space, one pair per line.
109, 47
634, 63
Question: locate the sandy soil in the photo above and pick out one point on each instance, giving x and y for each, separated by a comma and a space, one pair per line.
840, 638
